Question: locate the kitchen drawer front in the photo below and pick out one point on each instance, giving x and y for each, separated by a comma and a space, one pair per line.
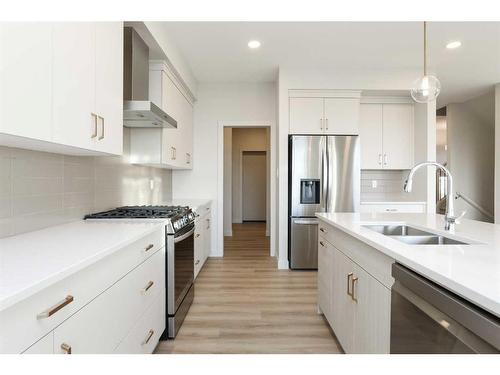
19, 324
408, 208
43, 346
144, 336
371, 260
102, 324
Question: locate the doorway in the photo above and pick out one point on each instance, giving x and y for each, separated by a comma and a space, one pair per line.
246, 188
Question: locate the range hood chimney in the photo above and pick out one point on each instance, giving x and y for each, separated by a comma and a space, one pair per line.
138, 110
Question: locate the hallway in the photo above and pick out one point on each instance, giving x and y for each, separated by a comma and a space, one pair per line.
243, 304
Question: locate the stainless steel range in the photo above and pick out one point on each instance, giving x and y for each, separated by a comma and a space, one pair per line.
179, 229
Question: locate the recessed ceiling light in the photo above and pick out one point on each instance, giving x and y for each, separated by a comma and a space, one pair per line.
454, 44
253, 44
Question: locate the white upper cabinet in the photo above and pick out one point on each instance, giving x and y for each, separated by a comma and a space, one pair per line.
306, 115
319, 113
166, 148
109, 85
386, 132
25, 79
341, 116
72, 85
398, 136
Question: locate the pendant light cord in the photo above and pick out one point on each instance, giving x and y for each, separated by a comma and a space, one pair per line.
425, 48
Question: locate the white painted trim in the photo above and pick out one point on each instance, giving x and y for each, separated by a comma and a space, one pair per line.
167, 67
386, 100
314, 93
283, 264
228, 233
220, 179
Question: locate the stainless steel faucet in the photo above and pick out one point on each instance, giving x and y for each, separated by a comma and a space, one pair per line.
449, 218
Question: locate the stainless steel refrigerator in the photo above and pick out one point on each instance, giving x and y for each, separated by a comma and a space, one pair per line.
324, 176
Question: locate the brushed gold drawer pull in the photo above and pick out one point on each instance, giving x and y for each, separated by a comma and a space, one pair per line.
197, 235
149, 247
197, 262
353, 287
102, 127
148, 337
349, 275
322, 229
147, 287
66, 348
58, 306
94, 123
321, 243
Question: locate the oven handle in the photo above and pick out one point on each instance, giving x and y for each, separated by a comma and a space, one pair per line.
184, 236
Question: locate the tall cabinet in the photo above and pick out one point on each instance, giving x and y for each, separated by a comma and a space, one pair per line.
61, 86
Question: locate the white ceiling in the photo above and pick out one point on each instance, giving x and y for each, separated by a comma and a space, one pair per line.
218, 52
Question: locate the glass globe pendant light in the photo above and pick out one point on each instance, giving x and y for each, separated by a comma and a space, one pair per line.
428, 87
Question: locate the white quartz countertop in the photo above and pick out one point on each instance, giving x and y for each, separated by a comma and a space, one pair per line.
471, 271
32, 261
393, 202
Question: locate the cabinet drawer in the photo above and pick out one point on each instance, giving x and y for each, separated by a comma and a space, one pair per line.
384, 207
43, 346
103, 323
144, 336
19, 324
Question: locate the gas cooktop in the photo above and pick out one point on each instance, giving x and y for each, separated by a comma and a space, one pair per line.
178, 216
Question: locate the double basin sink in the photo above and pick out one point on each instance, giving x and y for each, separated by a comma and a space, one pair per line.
413, 236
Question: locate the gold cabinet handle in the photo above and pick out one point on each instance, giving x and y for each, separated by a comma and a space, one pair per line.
197, 235
197, 262
58, 306
321, 243
149, 247
102, 127
322, 230
349, 276
148, 337
353, 289
326, 122
188, 158
321, 123
94, 125
147, 287
66, 348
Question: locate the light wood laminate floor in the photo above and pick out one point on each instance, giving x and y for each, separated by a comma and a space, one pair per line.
244, 304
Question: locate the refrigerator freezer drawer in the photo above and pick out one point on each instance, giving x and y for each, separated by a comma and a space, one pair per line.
304, 243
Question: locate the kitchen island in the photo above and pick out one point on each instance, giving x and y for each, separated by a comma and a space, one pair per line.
356, 261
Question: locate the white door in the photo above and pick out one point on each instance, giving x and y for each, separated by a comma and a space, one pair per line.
109, 86
398, 136
306, 115
74, 84
372, 314
341, 116
26, 79
370, 131
342, 304
254, 185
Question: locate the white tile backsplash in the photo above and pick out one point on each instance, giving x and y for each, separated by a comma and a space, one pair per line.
39, 189
389, 185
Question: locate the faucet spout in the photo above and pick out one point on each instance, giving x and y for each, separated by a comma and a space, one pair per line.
450, 218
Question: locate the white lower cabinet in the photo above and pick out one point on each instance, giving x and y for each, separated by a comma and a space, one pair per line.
43, 346
355, 303
202, 238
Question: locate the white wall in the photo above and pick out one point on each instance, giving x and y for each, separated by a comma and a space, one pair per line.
497, 153
244, 139
471, 152
40, 189
215, 103
363, 80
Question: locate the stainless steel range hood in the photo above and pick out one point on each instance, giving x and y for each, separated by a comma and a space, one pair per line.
138, 110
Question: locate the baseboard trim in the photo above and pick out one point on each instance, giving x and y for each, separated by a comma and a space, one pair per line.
283, 264
228, 234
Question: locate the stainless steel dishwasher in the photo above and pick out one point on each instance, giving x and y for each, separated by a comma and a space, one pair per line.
428, 319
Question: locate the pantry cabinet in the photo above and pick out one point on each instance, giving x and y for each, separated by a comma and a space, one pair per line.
69, 76
337, 114
166, 148
386, 132
351, 294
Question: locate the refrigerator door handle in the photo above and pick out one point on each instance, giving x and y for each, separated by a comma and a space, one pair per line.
324, 176
306, 221
326, 168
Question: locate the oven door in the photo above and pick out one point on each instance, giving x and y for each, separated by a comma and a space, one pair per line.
180, 267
